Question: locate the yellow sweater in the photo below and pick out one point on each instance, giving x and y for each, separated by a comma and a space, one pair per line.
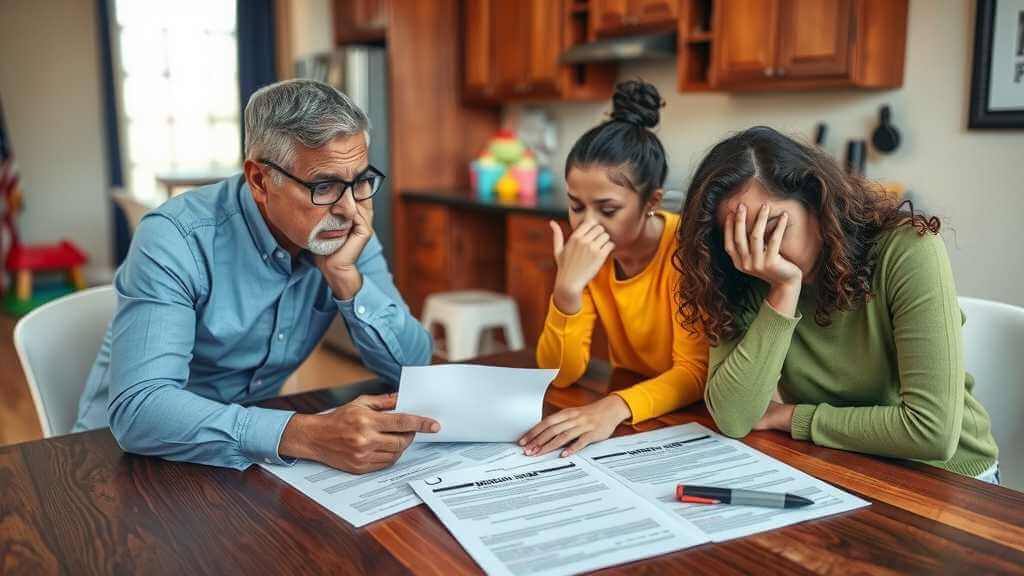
644, 336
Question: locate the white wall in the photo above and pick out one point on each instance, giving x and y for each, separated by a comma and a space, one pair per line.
971, 179
51, 88
312, 27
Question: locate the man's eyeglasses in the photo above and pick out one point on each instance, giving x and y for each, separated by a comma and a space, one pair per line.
328, 192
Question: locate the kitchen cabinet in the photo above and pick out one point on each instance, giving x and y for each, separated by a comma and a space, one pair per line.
530, 270
360, 21
617, 17
512, 47
450, 249
806, 44
460, 246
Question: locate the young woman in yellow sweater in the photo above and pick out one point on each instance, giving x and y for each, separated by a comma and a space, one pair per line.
617, 266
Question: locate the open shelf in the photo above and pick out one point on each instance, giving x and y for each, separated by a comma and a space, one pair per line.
696, 45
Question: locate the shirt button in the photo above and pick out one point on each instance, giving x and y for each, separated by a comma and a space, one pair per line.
280, 335
280, 255
259, 382
361, 310
264, 256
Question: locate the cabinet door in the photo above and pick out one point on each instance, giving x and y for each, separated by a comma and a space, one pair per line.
651, 13
530, 282
609, 16
478, 49
530, 273
510, 25
545, 45
815, 38
359, 21
746, 42
370, 14
428, 245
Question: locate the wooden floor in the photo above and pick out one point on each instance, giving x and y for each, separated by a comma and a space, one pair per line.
18, 422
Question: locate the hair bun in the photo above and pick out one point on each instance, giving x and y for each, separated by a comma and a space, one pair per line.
637, 102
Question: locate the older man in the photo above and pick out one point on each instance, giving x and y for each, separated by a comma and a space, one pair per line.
228, 288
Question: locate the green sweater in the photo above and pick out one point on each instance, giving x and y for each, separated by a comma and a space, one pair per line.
886, 378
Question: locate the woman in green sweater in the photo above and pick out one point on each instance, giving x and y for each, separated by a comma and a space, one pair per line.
774, 231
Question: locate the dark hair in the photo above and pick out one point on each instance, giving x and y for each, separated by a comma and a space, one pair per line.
852, 213
625, 141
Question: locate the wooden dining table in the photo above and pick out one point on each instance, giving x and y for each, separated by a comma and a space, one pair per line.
78, 504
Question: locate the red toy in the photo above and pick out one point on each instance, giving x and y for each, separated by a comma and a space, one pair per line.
23, 261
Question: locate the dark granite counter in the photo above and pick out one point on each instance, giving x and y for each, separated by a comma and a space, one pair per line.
550, 204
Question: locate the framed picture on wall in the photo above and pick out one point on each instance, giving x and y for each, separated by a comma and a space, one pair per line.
997, 79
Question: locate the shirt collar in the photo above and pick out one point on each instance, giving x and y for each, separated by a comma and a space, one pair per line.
266, 244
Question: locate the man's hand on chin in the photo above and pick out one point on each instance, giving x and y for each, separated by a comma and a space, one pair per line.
340, 268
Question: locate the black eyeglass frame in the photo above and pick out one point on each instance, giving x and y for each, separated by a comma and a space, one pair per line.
346, 184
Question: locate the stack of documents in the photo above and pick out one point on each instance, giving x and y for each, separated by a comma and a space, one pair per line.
615, 502
489, 406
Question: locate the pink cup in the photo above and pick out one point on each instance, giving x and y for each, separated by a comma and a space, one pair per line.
527, 180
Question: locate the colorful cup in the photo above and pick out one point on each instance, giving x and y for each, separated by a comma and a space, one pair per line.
487, 176
527, 180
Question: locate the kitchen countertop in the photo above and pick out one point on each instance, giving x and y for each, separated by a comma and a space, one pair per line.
550, 204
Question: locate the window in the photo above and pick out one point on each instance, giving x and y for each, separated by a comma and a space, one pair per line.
175, 68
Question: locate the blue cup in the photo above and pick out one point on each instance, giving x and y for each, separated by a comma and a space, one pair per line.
487, 176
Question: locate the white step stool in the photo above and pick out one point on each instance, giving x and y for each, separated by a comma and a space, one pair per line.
468, 315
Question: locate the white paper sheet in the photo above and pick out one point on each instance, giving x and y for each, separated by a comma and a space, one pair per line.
474, 403
361, 499
559, 516
653, 463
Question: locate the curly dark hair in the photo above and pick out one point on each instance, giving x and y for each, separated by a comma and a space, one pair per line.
713, 296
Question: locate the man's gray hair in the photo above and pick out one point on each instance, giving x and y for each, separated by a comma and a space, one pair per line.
305, 111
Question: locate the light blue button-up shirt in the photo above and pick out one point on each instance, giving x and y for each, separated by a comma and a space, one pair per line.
212, 313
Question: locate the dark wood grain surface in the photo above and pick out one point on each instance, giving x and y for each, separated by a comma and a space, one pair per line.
78, 505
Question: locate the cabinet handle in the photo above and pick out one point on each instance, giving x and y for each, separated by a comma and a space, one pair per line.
769, 72
780, 72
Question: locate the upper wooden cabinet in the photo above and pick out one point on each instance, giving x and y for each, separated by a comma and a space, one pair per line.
478, 75
360, 21
511, 51
802, 44
815, 38
747, 38
615, 17
525, 47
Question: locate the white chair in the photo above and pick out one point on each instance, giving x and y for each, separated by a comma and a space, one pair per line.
57, 344
993, 337
468, 316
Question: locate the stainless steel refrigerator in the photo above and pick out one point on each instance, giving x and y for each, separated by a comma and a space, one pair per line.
361, 72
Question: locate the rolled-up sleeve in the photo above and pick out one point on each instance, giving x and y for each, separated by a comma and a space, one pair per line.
379, 321
153, 336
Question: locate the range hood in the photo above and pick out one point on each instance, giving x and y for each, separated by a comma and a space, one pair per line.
643, 47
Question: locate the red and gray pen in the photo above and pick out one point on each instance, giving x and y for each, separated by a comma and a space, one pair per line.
739, 497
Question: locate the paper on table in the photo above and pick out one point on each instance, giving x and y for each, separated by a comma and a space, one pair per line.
560, 516
653, 463
361, 499
474, 403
